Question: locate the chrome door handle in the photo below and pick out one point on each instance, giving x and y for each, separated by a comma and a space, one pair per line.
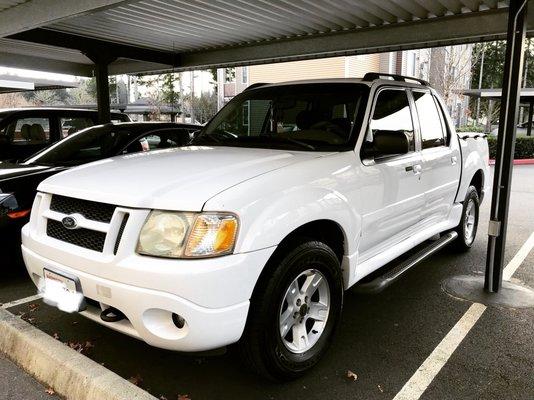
454, 160
416, 169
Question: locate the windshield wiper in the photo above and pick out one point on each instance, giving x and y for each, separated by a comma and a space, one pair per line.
291, 140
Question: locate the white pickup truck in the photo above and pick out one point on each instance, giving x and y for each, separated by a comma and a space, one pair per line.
290, 195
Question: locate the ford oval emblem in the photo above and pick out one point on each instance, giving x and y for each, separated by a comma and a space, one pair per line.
69, 223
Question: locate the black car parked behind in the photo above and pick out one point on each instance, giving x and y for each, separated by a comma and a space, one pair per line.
25, 131
19, 181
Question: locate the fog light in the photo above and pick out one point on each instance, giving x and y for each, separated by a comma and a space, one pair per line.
178, 321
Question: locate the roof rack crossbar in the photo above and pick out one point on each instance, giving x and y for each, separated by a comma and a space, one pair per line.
371, 76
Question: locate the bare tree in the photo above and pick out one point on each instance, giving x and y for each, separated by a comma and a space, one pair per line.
12, 100
450, 73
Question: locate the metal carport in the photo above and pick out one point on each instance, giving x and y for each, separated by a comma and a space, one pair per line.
97, 37
527, 100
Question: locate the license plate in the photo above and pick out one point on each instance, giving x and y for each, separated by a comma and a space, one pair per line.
62, 291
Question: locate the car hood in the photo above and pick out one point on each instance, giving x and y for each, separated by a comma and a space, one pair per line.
10, 171
174, 179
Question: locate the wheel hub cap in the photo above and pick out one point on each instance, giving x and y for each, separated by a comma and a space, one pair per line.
470, 222
304, 311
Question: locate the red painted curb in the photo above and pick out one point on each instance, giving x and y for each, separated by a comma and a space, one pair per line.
522, 161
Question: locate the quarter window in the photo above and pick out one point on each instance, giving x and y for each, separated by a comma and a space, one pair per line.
392, 113
429, 120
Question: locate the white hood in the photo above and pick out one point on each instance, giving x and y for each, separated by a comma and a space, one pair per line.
174, 179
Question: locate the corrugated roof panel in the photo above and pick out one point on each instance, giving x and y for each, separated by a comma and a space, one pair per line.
187, 25
5, 4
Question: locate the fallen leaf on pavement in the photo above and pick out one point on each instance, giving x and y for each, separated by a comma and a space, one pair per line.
136, 380
351, 375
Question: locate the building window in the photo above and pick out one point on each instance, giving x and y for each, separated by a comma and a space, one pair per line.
244, 75
411, 61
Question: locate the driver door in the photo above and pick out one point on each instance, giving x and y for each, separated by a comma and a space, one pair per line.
392, 195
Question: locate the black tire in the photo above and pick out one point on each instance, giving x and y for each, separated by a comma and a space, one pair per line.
261, 345
464, 242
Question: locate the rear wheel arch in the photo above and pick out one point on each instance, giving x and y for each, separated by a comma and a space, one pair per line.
478, 182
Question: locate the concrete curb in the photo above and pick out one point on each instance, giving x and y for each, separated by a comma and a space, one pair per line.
69, 373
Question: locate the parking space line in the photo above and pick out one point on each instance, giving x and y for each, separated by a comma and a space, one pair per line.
425, 374
518, 259
414, 388
15, 303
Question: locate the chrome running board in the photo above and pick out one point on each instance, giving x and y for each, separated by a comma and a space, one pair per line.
380, 283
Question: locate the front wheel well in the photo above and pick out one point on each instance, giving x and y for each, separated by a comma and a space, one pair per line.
326, 231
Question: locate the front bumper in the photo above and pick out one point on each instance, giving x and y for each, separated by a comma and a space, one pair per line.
149, 310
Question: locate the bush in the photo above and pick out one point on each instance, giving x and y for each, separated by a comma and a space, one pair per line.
524, 147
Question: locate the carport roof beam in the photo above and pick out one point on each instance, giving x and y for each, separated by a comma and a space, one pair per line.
35, 13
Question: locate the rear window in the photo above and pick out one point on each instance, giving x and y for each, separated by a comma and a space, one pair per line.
430, 122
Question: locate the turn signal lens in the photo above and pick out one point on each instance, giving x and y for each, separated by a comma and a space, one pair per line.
18, 214
212, 235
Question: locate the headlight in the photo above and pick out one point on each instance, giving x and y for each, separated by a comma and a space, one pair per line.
187, 235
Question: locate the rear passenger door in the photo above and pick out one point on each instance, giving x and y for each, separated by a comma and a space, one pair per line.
392, 195
441, 164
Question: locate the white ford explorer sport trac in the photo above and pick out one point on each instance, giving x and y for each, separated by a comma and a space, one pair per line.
290, 195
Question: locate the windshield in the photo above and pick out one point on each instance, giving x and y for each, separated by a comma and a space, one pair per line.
308, 117
87, 145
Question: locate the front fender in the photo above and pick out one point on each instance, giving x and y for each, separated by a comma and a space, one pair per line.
268, 221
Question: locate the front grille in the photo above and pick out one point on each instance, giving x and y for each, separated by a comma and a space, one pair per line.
100, 212
87, 238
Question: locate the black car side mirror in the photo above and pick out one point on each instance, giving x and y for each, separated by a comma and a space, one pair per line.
389, 143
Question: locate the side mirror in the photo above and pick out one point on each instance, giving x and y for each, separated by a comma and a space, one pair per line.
389, 143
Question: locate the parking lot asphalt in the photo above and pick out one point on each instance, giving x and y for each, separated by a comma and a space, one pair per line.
383, 338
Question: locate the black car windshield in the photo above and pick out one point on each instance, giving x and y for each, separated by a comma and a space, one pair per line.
84, 146
307, 117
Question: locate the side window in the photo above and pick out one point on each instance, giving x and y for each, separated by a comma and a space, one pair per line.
74, 124
392, 113
26, 131
432, 134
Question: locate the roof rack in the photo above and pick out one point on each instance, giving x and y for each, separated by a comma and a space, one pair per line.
372, 76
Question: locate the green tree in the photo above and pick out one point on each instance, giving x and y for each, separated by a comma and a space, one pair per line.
492, 73
162, 87
204, 106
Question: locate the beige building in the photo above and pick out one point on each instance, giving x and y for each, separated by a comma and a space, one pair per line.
447, 68
231, 81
